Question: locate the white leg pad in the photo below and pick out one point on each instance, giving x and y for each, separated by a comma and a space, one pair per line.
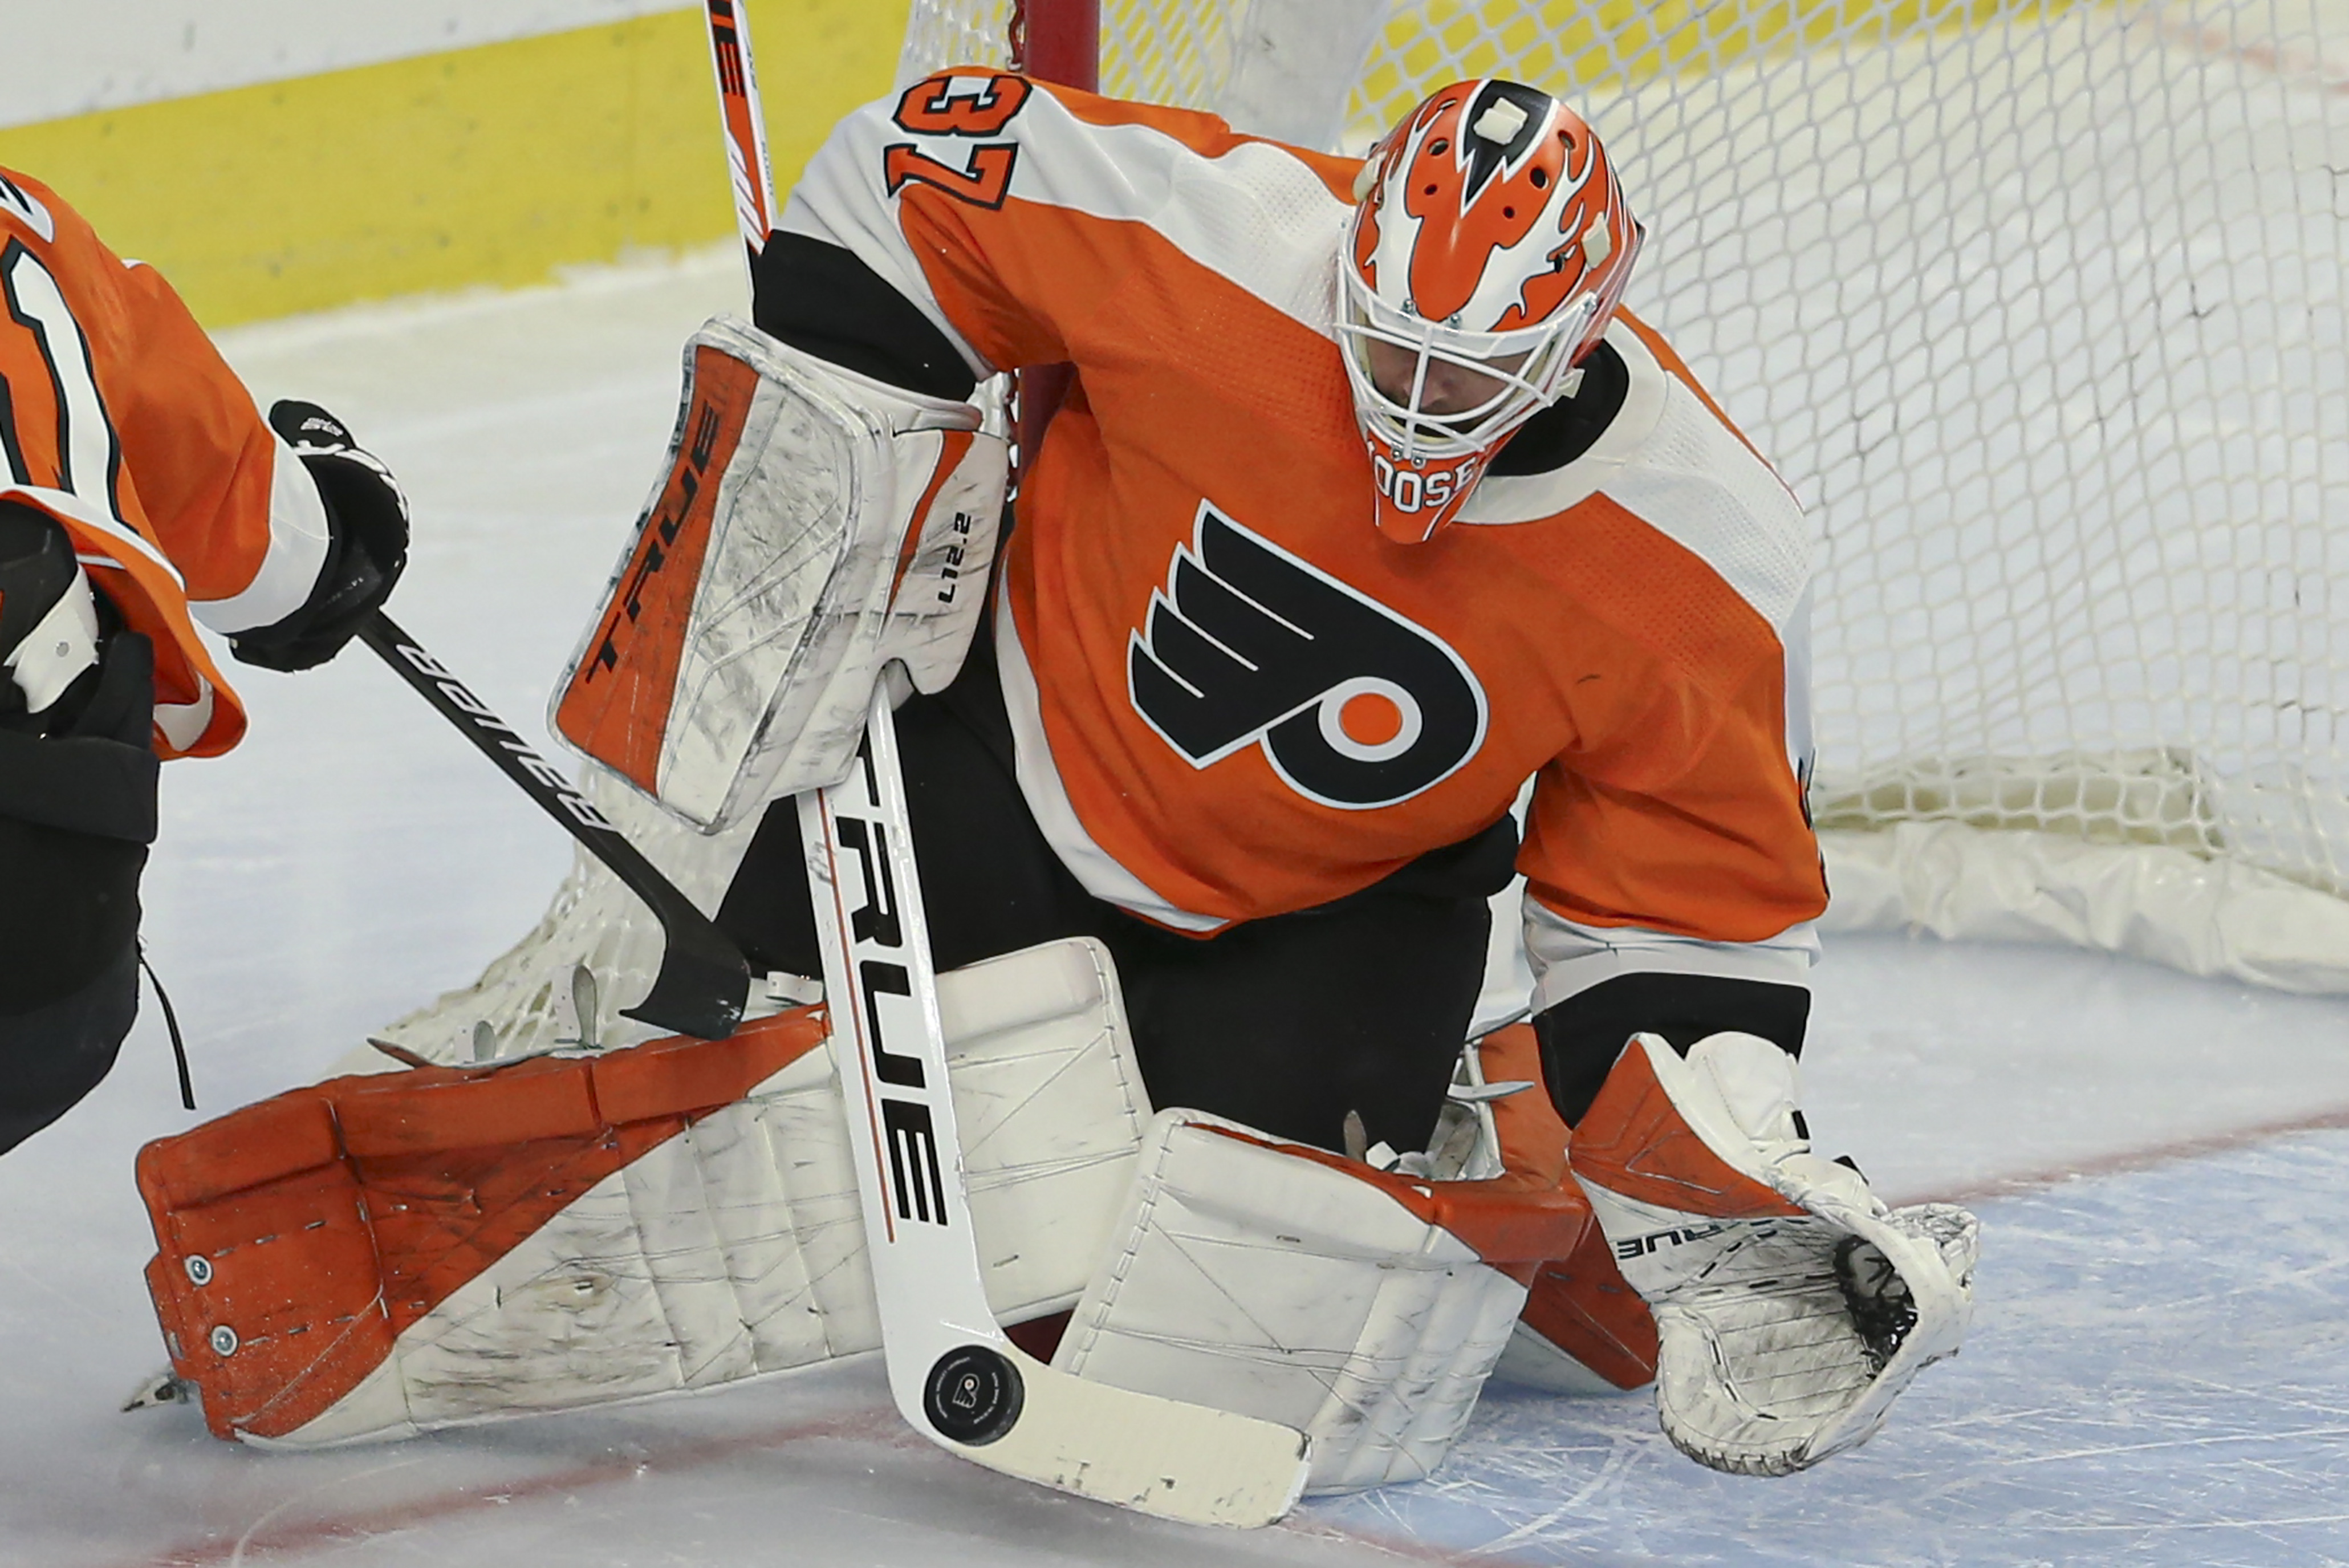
736, 1248
1250, 1277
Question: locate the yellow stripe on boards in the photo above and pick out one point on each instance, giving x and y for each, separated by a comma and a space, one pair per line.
1577, 47
490, 165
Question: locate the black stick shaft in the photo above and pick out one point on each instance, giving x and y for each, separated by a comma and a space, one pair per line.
704, 981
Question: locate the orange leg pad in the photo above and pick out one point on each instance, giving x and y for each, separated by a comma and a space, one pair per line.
298, 1237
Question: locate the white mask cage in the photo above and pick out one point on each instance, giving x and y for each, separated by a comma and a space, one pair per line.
1405, 425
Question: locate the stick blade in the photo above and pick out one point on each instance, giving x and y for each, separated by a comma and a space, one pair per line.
703, 985
1178, 1461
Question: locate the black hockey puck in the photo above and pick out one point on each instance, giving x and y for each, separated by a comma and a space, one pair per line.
973, 1395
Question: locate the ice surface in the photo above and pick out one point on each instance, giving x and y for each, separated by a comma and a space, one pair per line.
2160, 1371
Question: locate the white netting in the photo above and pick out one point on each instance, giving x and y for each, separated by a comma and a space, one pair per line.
2041, 310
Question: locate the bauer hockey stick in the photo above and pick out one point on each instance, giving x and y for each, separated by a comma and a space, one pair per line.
704, 980
953, 1375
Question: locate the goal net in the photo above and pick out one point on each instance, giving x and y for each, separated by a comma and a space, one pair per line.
2039, 307
2040, 310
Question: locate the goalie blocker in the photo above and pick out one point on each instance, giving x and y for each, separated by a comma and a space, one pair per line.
810, 526
387, 1254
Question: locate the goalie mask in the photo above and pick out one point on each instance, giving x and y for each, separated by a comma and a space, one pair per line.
1488, 248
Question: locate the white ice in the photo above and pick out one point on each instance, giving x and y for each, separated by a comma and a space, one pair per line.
2159, 1372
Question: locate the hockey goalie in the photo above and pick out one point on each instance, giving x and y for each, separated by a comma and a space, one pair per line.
1368, 504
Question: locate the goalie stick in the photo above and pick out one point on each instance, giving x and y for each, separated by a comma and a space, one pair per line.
956, 1377
704, 981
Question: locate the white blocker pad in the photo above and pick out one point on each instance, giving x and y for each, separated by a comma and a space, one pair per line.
1249, 1276
810, 526
736, 1248
1791, 1305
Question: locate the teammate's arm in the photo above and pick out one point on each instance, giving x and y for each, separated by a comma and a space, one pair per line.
285, 532
366, 519
138, 483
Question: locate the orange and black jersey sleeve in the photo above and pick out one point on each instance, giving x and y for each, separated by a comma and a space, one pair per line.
119, 419
1232, 696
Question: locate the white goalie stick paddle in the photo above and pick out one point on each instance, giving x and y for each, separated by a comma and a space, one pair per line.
954, 1375
747, 168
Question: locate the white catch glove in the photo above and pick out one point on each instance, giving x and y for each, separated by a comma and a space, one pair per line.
1792, 1306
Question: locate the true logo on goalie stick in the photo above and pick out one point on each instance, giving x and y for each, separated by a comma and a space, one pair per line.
879, 950
1247, 645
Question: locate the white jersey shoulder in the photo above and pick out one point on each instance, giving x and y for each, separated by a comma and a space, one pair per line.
1673, 463
1255, 214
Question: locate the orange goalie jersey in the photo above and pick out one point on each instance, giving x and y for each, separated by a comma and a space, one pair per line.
119, 419
1233, 697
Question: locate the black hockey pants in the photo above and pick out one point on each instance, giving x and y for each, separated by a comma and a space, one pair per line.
1284, 1024
76, 814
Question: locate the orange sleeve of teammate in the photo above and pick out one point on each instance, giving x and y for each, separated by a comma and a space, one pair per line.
119, 417
196, 460
1682, 812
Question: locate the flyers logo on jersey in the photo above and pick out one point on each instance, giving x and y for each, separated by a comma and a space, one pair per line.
1246, 645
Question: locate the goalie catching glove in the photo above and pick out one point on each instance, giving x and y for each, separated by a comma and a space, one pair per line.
1792, 1306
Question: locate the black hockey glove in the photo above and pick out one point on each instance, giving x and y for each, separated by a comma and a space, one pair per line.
366, 518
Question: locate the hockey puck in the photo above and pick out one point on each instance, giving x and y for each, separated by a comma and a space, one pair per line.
973, 1395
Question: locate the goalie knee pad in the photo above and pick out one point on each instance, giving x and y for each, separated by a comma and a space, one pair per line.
383, 1255
1583, 1329
1792, 1306
810, 526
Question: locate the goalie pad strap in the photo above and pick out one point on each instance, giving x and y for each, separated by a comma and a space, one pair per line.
810, 526
1583, 1329
572, 1231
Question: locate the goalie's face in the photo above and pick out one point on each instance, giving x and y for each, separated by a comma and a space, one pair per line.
1437, 386
1488, 249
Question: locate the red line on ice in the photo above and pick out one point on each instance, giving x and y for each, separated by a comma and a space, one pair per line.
2142, 1158
2331, 76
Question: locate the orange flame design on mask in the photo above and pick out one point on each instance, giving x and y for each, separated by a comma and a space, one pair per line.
1460, 229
